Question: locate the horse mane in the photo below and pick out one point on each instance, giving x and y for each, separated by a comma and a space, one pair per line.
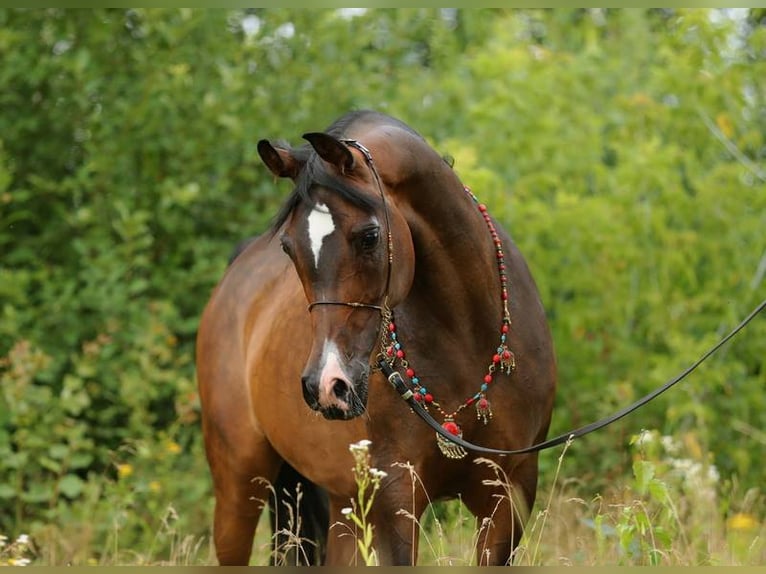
314, 172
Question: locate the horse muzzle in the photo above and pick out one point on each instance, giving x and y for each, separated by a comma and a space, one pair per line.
336, 395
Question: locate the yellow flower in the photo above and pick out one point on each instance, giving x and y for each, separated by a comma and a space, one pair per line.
155, 486
723, 121
124, 470
742, 521
173, 447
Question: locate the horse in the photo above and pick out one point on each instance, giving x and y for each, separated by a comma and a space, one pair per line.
379, 253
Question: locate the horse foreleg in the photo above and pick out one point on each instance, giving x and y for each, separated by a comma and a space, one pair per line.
342, 537
242, 490
502, 511
396, 516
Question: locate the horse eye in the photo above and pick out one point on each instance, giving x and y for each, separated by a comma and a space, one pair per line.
284, 245
370, 239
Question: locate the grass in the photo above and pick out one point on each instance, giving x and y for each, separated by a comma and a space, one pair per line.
672, 511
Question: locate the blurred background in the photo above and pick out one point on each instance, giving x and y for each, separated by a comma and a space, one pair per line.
624, 150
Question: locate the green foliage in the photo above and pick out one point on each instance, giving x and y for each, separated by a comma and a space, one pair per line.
623, 149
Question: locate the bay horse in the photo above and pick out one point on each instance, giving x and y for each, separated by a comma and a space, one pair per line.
379, 252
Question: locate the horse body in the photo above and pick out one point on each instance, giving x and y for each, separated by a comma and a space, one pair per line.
258, 344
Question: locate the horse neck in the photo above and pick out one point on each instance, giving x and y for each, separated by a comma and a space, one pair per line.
456, 286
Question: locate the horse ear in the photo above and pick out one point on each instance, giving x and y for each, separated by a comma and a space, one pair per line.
331, 150
280, 161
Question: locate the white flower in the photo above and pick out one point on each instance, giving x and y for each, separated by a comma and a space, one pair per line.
23, 539
645, 437
346, 511
19, 561
361, 446
670, 445
379, 474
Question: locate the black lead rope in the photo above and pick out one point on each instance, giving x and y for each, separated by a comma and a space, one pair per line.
396, 380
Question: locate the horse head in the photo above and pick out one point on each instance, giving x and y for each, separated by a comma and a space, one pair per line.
353, 253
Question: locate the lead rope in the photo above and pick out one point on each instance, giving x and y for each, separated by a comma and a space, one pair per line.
399, 385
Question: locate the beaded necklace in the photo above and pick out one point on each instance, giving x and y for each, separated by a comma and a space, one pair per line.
503, 360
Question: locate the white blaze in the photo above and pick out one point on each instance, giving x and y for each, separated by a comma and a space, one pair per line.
321, 226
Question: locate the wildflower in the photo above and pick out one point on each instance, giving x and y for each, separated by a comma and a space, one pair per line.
124, 470
155, 486
361, 446
18, 561
173, 447
645, 437
742, 521
378, 474
346, 511
23, 539
670, 445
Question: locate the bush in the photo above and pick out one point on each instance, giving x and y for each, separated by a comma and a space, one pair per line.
622, 149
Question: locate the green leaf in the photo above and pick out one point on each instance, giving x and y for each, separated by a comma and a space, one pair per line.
36, 493
643, 470
80, 460
7, 491
71, 486
49, 464
58, 451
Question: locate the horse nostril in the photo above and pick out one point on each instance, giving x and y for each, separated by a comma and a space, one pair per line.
309, 390
340, 388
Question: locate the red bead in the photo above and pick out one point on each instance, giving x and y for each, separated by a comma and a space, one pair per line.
391, 327
410, 373
487, 379
470, 401
504, 296
429, 398
451, 428
502, 266
483, 403
506, 355
390, 351
505, 328
417, 396
482, 207
496, 359
400, 354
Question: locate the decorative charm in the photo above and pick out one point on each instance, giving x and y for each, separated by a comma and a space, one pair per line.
449, 448
483, 410
503, 360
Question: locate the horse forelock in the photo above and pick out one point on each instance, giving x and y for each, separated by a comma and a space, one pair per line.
315, 173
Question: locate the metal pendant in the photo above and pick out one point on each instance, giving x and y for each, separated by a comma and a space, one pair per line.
483, 410
446, 446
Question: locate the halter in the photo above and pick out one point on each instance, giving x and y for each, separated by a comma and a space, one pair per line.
383, 308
